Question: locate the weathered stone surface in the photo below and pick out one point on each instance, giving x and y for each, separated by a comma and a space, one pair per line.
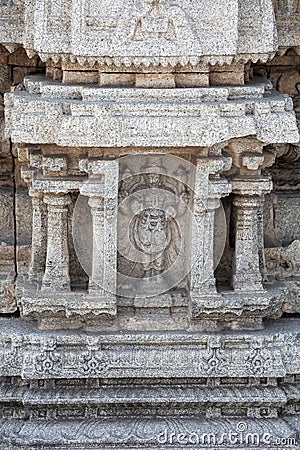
7, 216
87, 390
5, 78
155, 81
229, 78
70, 76
284, 260
143, 33
38, 119
8, 302
188, 80
150, 263
287, 13
117, 79
23, 217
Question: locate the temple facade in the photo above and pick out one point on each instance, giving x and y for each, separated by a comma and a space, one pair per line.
149, 224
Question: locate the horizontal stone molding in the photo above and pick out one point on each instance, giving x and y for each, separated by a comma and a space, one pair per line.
76, 116
141, 432
36, 354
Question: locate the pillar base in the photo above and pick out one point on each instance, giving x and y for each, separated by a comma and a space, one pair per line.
69, 310
179, 311
236, 310
58, 286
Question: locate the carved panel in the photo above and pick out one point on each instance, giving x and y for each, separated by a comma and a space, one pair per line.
56, 21
287, 7
156, 31
288, 19
153, 223
256, 18
11, 21
154, 28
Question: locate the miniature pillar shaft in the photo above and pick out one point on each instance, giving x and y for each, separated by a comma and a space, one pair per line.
202, 270
98, 263
57, 276
209, 281
102, 191
261, 244
39, 236
247, 275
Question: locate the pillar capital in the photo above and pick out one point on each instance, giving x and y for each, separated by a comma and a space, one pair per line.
212, 204
57, 200
94, 187
246, 202
251, 186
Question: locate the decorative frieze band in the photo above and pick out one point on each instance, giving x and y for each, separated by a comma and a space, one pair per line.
150, 356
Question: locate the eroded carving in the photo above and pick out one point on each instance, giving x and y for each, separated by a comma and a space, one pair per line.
152, 233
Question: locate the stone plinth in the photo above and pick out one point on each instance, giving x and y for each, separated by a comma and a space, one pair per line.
116, 384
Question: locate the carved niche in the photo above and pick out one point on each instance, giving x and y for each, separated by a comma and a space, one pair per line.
153, 227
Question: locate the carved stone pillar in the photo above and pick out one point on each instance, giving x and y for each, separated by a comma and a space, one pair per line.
197, 253
203, 279
56, 276
98, 264
247, 202
209, 281
206, 201
39, 237
102, 190
247, 274
261, 240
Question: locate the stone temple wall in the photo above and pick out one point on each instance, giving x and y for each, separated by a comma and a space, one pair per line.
149, 224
